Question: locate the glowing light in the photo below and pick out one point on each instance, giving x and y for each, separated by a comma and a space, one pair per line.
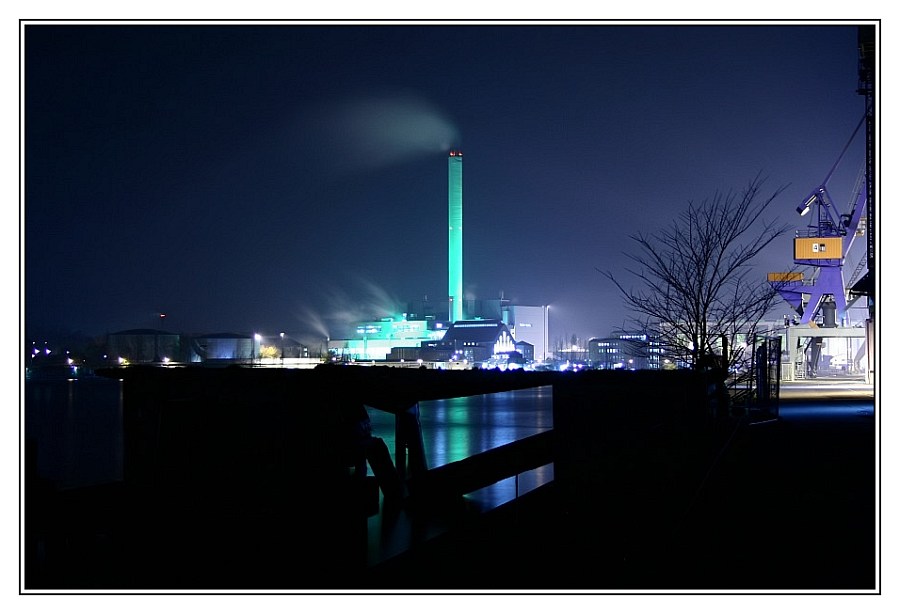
804, 208
504, 344
455, 238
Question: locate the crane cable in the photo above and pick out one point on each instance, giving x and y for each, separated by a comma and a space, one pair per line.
847, 146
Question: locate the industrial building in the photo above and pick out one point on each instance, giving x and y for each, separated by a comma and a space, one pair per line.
147, 346
244, 348
375, 340
488, 332
221, 347
625, 350
473, 342
144, 345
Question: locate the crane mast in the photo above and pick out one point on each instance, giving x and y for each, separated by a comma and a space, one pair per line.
826, 241
824, 244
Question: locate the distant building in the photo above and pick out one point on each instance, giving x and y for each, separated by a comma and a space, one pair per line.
625, 350
526, 350
144, 345
375, 340
474, 341
529, 324
224, 347
283, 346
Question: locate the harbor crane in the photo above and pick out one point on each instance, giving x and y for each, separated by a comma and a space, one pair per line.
822, 300
825, 245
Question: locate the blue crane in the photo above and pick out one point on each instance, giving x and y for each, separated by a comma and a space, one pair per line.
824, 244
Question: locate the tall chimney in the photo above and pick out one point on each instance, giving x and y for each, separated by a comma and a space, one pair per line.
455, 248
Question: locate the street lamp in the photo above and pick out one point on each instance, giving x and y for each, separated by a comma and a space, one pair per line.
282, 349
258, 338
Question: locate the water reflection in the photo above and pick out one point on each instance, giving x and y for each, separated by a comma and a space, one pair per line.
73, 430
454, 429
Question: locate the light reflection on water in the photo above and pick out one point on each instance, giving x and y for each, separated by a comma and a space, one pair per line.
454, 429
76, 426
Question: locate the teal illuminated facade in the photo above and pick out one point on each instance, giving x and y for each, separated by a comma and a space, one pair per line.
374, 340
455, 244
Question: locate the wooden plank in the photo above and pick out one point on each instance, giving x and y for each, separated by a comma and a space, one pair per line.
482, 470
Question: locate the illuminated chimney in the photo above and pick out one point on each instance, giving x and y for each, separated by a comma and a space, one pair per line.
455, 248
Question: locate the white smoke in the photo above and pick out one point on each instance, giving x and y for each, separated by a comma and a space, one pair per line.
312, 322
376, 132
343, 308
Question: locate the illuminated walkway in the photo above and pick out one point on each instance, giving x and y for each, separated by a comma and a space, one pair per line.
827, 388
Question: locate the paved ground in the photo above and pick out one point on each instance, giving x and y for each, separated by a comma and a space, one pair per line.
827, 388
790, 507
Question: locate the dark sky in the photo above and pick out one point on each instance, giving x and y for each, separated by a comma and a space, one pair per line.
287, 177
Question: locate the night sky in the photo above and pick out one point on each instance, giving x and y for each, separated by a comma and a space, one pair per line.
293, 177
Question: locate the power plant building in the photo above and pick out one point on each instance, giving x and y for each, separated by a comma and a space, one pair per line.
475, 331
472, 341
374, 340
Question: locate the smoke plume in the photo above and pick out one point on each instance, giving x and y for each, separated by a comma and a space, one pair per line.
376, 132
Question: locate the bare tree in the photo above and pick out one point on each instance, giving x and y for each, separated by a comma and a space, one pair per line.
698, 290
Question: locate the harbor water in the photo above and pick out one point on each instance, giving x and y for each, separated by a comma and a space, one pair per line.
74, 428
454, 429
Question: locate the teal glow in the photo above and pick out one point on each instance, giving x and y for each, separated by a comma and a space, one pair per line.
390, 329
455, 248
376, 339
